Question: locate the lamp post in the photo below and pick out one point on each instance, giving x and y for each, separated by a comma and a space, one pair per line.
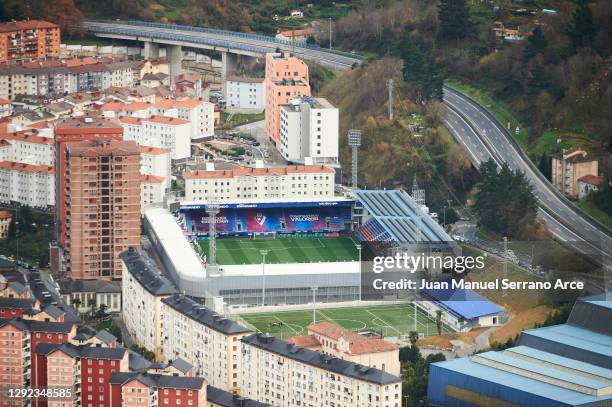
263, 253
314, 289
360, 282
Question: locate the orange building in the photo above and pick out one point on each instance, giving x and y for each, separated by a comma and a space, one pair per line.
102, 206
24, 41
286, 79
567, 169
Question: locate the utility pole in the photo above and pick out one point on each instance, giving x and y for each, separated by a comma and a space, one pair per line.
390, 103
330, 33
354, 141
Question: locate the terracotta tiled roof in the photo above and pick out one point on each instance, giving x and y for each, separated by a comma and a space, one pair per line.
134, 106
592, 179
130, 120
305, 341
151, 178
172, 121
152, 150
4, 101
10, 165
25, 25
188, 103
244, 171
27, 136
113, 106
358, 344
6, 214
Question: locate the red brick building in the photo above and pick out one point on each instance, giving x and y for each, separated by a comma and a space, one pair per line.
137, 389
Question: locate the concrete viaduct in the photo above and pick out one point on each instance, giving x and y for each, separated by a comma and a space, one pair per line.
230, 44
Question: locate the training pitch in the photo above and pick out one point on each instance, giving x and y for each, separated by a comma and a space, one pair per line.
283, 250
393, 320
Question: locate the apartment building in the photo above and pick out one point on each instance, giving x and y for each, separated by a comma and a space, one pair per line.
245, 93
84, 369
27, 184
207, 340
568, 168
286, 79
152, 190
143, 288
309, 128
56, 78
6, 109
282, 374
31, 146
6, 218
294, 181
170, 133
332, 339
19, 339
102, 198
85, 128
28, 40
146, 389
199, 113
155, 161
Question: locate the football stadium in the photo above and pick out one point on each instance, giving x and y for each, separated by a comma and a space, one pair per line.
277, 251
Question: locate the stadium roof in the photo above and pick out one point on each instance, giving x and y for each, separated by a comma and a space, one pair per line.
399, 214
169, 235
464, 303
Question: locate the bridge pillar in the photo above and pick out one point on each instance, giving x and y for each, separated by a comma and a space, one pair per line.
228, 64
151, 50
174, 54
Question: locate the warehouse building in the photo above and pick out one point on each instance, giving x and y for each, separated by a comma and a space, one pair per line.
560, 365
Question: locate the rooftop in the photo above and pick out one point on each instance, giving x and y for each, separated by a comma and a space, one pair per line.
85, 286
9, 26
226, 399
320, 360
76, 125
146, 272
203, 315
14, 166
463, 303
98, 148
261, 172
81, 351
158, 380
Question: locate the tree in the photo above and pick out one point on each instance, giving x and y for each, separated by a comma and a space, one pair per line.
420, 71
582, 30
536, 43
92, 305
439, 321
453, 20
505, 201
311, 39
544, 166
77, 303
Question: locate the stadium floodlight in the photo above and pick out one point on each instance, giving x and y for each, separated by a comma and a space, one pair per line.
354, 141
263, 253
212, 208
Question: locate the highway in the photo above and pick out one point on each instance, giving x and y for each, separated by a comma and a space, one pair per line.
484, 138
218, 40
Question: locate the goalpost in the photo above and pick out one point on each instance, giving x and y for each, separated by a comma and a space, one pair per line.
263, 235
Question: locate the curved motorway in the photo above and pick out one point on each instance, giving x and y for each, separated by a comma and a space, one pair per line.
220, 40
475, 128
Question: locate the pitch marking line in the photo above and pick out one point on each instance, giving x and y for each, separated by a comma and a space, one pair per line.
286, 324
385, 322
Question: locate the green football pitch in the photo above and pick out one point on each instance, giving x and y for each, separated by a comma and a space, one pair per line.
393, 320
283, 250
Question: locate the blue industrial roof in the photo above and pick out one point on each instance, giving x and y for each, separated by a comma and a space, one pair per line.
507, 359
519, 383
399, 214
601, 300
561, 361
464, 303
576, 337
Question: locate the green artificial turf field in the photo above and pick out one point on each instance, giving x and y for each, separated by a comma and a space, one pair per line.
394, 320
283, 250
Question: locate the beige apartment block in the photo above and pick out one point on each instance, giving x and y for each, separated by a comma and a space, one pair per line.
567, 169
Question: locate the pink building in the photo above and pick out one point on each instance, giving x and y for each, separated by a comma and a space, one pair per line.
286, 79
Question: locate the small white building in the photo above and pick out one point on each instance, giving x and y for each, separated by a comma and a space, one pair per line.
152, 190
32, 146
27, 184
309, 128
6, 109
588, 184
245, 93
99, 292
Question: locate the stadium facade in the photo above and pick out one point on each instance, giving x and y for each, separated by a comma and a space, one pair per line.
561, 365
177, 236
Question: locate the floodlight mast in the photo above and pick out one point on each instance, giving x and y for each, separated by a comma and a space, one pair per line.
354, 141
212, 208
